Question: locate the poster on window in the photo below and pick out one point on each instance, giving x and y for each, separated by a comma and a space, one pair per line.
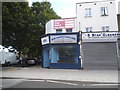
64, 23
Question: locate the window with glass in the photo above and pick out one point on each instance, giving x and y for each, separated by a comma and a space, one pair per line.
105, 28
67, 54
88, 29
58, 30
88, 12
69, 30
104, 11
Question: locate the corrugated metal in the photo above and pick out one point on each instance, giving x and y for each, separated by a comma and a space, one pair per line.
100, 56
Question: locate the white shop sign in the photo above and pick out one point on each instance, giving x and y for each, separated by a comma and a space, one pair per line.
45, 40
63, 39
101, 35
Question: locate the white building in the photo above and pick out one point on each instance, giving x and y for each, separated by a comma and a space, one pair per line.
64, 25
96, 16
119, 7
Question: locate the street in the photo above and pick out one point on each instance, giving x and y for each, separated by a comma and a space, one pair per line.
37, 83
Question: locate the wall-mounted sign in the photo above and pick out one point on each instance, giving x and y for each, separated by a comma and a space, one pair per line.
63, 39
45, 40
101, 35
64, 23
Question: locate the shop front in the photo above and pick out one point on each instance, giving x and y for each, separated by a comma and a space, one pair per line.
100, 50
61, 50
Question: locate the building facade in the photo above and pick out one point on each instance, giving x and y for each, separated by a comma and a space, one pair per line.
118, 16
64, 46
64, 25
100, 50
119, 7
60, 44
96, 16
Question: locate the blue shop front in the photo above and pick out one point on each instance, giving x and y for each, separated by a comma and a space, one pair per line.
61, 51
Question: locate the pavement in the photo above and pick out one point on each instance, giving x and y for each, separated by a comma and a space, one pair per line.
101, 76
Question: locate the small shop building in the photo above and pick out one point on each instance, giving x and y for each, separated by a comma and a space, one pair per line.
60, 44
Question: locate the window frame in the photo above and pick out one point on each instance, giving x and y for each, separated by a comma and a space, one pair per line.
67, 30
88, 12
58, 30
106, 28
104, 11
88, 29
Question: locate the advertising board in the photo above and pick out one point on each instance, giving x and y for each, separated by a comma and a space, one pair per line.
64, 23
63, 39
45, 40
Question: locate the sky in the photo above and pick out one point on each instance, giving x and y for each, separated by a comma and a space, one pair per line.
65, 8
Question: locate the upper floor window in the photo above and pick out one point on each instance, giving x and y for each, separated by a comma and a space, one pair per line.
88, 29
104, 11
69, 30
105, 28
58, 30
88, 12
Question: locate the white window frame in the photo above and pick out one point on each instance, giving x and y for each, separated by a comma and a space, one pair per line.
104, 11
88, 12
69, 29
105, 28
88, 29
58, 30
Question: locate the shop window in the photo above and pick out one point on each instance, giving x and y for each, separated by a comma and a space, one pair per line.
69, 30
67, 54
88, 29
88, 12
104, 11
58, 30
105, 28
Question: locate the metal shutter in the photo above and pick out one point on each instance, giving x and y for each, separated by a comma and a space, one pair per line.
100, 56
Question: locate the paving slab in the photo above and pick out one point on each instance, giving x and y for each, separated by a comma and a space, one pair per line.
63, 74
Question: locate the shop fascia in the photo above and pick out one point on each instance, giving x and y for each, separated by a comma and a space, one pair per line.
101, 35
66, 38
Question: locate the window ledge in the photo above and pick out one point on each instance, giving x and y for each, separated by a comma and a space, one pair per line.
104, 15
88, 16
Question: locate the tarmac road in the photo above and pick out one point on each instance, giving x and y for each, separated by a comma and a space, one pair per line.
39, 83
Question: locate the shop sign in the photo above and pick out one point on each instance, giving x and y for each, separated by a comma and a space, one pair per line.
101, 35
45, 40
63, 39
64, 23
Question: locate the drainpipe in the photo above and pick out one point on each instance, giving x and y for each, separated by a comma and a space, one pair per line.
80, 41
81, 54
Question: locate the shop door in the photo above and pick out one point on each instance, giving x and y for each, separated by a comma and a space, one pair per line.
46, 59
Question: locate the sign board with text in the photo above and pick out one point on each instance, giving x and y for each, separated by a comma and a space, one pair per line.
63, 39
101, 36
64, 23
45, 40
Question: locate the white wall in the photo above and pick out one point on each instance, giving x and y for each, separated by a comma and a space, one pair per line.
119, 7
96, 21
50, 27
